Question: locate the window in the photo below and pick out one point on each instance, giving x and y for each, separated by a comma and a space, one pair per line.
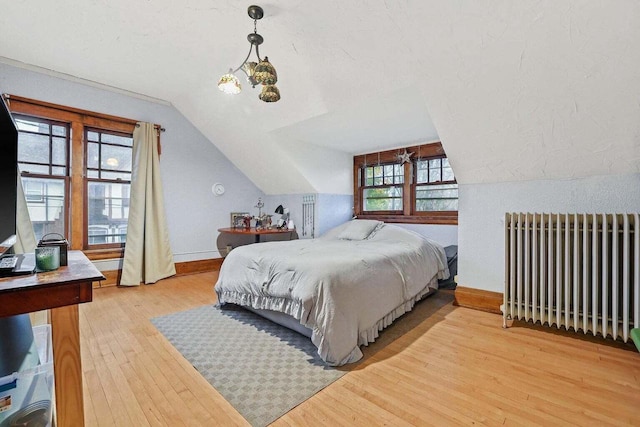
43, 159
108, 164
423, 190
382, 191
436, 188
76, 171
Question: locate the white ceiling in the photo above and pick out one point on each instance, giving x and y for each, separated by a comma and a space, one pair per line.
516, 90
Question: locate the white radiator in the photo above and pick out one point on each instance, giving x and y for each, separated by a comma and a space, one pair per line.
577, 271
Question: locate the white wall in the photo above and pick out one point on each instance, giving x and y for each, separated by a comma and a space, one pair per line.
190, 163
482, 209
446, 235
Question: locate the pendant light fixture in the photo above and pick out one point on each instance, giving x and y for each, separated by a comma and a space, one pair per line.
261, 72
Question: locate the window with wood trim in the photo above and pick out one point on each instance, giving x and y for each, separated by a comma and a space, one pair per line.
421, 190
382, 189
435, 186
43, 159
108, 163
88, 182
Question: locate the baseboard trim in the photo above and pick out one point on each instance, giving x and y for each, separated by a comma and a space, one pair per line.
478, 299
112, 277
199, 266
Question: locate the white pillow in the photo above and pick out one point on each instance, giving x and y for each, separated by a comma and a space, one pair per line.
359, 229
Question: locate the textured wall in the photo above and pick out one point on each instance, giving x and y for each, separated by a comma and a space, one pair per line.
483, 207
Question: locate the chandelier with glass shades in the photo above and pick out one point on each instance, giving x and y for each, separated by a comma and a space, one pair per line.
261, 72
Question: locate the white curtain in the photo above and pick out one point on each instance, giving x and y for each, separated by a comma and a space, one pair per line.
147, 254
25, 237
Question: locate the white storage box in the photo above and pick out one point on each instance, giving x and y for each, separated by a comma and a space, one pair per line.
26, 397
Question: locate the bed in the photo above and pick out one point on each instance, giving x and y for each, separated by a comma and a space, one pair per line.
342, 288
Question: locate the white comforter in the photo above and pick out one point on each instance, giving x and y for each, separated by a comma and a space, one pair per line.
345, 291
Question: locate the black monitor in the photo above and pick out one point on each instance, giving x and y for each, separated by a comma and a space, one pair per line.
8, 172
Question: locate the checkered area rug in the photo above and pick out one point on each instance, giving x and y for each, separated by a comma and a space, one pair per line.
261, 368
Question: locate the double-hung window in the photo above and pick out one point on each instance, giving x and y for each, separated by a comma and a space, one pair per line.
108, 166
383, 188
435, 186
76, 170
43, 159
413, 184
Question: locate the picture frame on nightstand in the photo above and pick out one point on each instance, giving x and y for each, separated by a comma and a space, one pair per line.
237, 219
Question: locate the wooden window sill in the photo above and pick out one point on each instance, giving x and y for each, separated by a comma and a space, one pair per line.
98, 254
442, 218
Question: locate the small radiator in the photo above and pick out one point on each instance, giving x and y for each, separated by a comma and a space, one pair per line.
308, 216
577, 271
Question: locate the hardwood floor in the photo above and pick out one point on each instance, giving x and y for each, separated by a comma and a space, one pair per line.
456, 367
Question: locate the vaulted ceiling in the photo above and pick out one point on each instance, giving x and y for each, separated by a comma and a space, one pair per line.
515, 90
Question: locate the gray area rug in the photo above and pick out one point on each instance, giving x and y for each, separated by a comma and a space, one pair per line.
261, 368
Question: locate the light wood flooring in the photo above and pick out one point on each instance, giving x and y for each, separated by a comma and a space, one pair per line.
456, 367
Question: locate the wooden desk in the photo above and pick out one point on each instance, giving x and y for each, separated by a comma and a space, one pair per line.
254, 232
61, 291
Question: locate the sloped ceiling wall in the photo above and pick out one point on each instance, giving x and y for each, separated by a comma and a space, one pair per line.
515, 90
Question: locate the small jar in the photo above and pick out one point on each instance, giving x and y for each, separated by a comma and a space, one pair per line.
47, 258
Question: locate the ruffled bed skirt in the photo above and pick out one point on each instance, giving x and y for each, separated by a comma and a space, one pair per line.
295, 309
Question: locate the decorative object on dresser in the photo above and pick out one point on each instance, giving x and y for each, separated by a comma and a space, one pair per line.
577, 271
237, 219
285, 217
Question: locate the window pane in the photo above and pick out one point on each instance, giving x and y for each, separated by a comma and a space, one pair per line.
368, 174
108, 211
423, 171
117, 139
92, 174
447, 174
437, 197
59, 151
33, 148
116, 158
383, 199
124, 176
58, 171
59, 130
434, 173
93, 136
92, 155
24, 124
430, 205
45, 201
39, 169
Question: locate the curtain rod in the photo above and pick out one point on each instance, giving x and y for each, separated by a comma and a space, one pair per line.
74, 110
160, 128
